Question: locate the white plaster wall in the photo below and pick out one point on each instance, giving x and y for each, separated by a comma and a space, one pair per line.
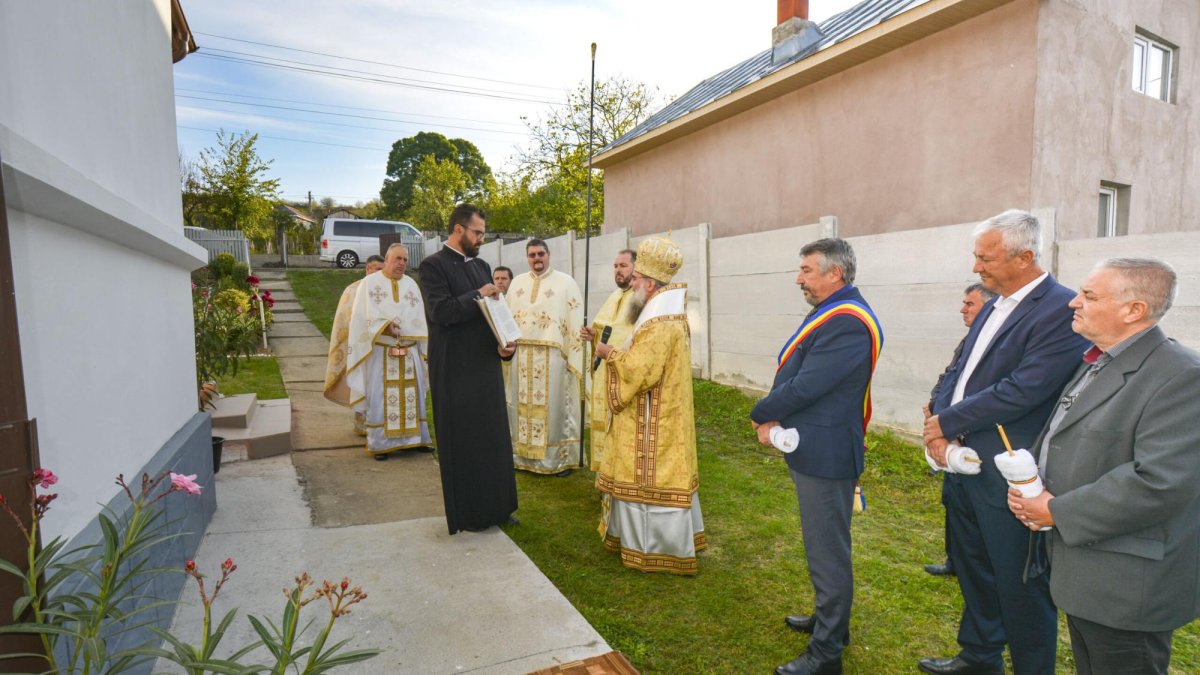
87, 132
91, 83
108, 352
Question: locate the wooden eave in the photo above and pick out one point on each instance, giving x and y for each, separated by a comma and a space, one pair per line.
904, 29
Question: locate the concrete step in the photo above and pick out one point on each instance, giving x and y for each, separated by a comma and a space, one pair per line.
269, 433
266, 273
234, 411
286, 306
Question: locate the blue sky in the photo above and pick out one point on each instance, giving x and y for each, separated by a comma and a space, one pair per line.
391, 68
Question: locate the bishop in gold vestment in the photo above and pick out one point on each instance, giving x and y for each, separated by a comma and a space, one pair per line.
651, 509
546, 380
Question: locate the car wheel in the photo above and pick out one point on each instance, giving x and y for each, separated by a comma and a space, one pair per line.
347, 260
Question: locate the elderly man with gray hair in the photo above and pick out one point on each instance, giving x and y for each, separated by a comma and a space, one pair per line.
1120, 459
1019, 353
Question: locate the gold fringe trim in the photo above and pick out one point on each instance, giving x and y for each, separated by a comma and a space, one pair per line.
651, 562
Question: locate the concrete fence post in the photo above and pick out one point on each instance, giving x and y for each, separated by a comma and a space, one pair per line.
829, 227
704, 235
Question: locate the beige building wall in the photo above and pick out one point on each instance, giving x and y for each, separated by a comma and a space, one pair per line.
1091, 126
936, 131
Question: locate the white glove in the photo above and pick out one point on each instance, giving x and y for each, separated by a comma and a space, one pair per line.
962, 460
786, 440
1021, 472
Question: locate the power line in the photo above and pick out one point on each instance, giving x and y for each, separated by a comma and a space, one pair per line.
378, 63
210, 50
334, 114
346, 107
370, 79
293, 140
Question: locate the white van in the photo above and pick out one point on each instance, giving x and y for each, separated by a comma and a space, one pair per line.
346, 243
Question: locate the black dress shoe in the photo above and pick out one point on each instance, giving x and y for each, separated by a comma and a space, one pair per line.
801, 623
944, 570
564, 473
381, 457
957, 666
513, 520
808, 664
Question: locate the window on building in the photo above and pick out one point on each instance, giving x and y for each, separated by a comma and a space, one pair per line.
1112, 219
1153, 60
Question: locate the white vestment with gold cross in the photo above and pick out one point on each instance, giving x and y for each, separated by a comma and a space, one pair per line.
613, 314
547, 376
386, 370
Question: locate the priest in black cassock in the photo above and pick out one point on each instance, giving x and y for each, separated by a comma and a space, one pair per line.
469, 414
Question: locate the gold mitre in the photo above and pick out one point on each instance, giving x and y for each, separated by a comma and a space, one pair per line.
659, 259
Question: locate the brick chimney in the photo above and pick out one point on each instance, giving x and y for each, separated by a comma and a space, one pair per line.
794, 32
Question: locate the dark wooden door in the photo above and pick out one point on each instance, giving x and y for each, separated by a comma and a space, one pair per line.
18, 451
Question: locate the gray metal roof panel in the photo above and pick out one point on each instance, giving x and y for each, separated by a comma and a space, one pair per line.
835, 29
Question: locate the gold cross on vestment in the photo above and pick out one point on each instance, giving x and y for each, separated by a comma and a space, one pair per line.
412, 299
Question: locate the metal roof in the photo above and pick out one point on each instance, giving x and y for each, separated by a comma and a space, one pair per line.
835, 29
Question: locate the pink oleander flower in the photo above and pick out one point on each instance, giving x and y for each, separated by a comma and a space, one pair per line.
186, 483
44, 478
252, 280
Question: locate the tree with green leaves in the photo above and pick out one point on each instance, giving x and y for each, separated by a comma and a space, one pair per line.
230, 189
439, 184
406, 156
550, 188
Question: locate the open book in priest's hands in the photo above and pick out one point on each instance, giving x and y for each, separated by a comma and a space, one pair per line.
500, 319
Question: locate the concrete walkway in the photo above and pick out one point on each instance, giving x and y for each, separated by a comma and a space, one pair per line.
468, 603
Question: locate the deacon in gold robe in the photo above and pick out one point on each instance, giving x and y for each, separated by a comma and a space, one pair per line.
339, 346
650, 510
547, 377
386, 364
614, 316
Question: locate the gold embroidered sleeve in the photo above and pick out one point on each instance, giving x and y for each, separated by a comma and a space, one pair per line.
640, 368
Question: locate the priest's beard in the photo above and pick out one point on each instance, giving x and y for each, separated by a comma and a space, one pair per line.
636, 304
470, 250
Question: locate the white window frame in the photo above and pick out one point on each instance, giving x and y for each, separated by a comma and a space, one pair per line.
1108, 226
1141, 75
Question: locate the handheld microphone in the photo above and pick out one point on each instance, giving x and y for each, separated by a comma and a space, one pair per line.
604, 335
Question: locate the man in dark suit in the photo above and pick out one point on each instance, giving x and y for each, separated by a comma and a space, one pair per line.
1121, 464
1018, 355
974, 298
821, 390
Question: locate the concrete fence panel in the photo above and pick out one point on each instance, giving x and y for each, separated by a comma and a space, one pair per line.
604, 250
754, 302
490, 253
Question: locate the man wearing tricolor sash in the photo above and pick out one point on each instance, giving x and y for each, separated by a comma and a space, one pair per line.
385, 368
822, 390
650, 509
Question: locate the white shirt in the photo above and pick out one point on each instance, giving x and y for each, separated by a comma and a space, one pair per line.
1000, 313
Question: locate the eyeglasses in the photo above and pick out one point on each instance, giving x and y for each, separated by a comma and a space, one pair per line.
536, 254
479, 234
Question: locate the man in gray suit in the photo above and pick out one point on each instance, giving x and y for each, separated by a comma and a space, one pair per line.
1120, 458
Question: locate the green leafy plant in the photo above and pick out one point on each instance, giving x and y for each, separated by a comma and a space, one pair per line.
111, 579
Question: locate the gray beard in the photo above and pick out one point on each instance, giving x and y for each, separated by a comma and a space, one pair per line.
636, 304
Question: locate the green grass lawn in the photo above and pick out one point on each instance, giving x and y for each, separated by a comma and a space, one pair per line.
729, 618
318, 293
255, 375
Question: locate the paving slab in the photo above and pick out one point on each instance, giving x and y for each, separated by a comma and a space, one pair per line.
293, 317
471, 603
282, 295
300, 346
350, 487
319, 424
284, 307
303, 368
298, 327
